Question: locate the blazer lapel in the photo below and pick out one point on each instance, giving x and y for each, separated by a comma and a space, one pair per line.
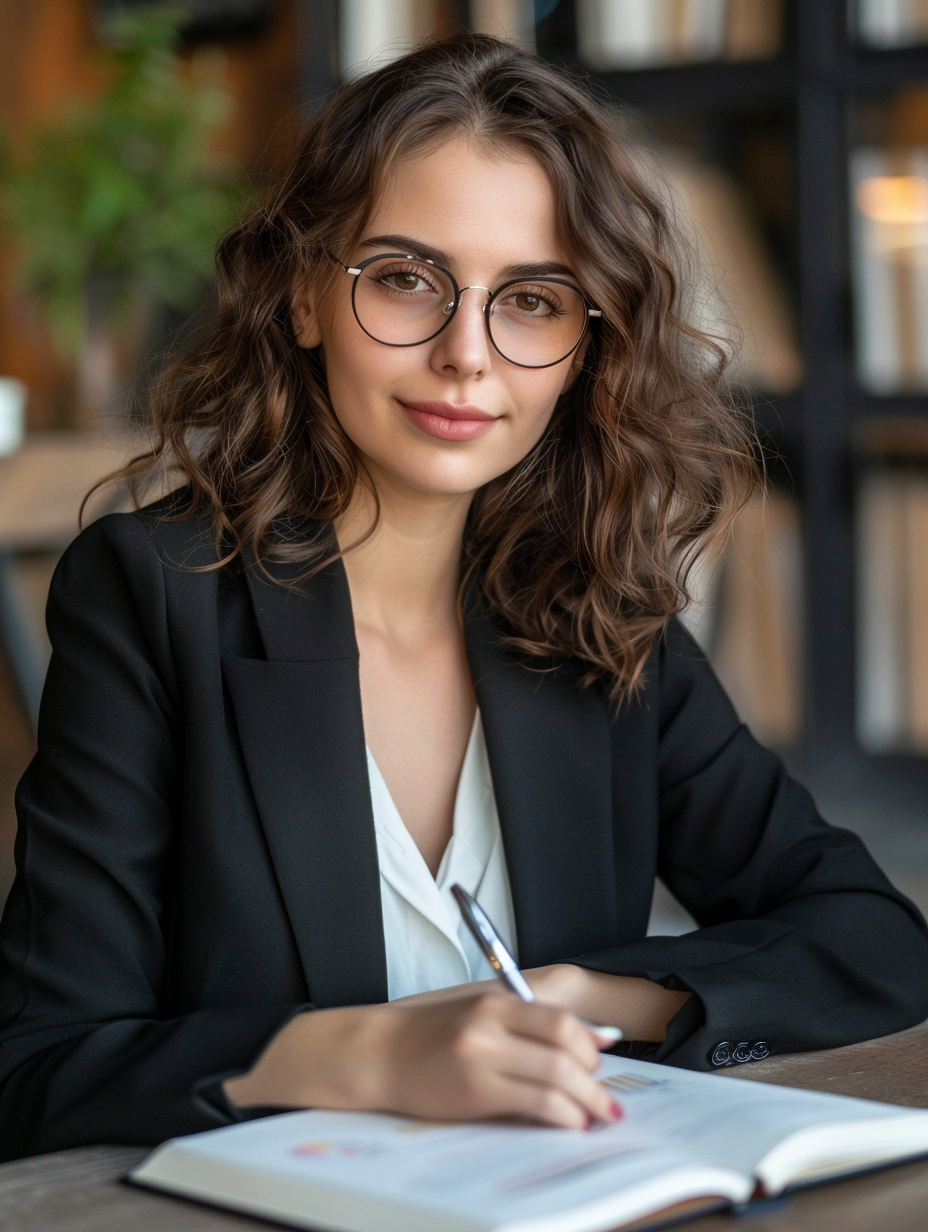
550, 756
301, 728
299, 720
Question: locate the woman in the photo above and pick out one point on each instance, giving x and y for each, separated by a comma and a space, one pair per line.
445, 458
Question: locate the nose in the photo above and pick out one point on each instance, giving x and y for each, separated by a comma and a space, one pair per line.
462, 349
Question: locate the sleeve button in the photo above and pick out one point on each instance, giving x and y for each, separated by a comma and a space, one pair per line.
760, 1050
742, 1053
721, 1054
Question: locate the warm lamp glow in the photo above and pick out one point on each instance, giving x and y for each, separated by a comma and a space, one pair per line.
894, 198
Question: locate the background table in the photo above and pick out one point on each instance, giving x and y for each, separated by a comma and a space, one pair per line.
42, 486
78, 1191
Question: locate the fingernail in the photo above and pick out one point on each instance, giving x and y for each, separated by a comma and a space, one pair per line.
617, 1110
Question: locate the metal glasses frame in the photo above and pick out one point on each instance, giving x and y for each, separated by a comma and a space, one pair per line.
451, 308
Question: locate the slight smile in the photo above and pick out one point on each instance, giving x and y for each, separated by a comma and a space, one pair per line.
448, 421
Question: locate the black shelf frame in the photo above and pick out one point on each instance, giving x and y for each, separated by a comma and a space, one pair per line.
709, 85
816, 79
740, 83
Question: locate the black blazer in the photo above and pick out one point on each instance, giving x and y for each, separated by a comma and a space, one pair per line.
196, 854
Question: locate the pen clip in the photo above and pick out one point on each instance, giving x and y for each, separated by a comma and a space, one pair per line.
491, 944
503, 963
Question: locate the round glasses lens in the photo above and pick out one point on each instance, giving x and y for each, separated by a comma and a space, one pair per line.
537, 323
402, 302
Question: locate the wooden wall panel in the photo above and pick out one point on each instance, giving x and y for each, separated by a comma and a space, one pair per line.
48, 58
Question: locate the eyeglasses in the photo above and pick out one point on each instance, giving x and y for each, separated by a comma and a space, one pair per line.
403, 300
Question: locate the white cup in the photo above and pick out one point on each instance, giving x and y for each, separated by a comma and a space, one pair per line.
12, 414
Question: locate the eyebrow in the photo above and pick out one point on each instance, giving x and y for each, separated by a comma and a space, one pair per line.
411, 247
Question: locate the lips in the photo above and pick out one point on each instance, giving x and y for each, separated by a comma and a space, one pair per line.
449, 421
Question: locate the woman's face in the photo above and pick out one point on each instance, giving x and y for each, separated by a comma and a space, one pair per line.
447, 415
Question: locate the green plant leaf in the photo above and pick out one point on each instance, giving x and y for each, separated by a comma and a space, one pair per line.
125, 190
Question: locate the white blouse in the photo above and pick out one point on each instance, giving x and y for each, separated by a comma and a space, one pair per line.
428, 945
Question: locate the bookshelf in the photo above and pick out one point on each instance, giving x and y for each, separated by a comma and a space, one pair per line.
819, 436
822, 435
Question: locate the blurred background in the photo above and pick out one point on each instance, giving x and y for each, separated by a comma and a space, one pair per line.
793, 141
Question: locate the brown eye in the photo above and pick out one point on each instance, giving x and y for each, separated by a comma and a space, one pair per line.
528, 303
406, 281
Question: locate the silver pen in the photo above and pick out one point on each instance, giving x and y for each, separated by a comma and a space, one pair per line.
504, 965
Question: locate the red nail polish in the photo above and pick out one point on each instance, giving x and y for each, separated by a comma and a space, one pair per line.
617, 1110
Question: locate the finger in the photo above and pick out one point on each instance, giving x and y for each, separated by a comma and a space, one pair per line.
555, 1027
490, 1040
508, 1096
549, 1105
555, 1068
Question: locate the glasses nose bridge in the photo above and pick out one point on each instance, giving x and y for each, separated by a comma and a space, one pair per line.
473, 286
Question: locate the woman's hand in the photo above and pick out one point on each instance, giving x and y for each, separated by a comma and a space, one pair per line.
486, 1054
640, 1007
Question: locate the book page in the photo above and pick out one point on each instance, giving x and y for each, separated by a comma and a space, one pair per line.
683, 1135
373, 1170
741, 1124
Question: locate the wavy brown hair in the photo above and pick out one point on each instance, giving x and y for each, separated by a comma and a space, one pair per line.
583, 549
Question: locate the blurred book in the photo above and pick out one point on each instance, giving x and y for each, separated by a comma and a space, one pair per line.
13, 398
747, 616
892, 635
889, 241
372, 32
739, 295
892, 23
645, 33
511, 19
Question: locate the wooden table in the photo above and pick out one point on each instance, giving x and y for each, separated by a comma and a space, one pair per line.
43, 483
78, 1191
42, 486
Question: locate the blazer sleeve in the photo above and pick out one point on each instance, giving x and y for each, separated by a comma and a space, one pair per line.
803, 943
86, 1055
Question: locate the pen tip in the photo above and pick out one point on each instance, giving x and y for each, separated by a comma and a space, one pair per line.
610, 1034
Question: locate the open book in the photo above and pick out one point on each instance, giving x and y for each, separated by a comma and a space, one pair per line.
687, 1141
